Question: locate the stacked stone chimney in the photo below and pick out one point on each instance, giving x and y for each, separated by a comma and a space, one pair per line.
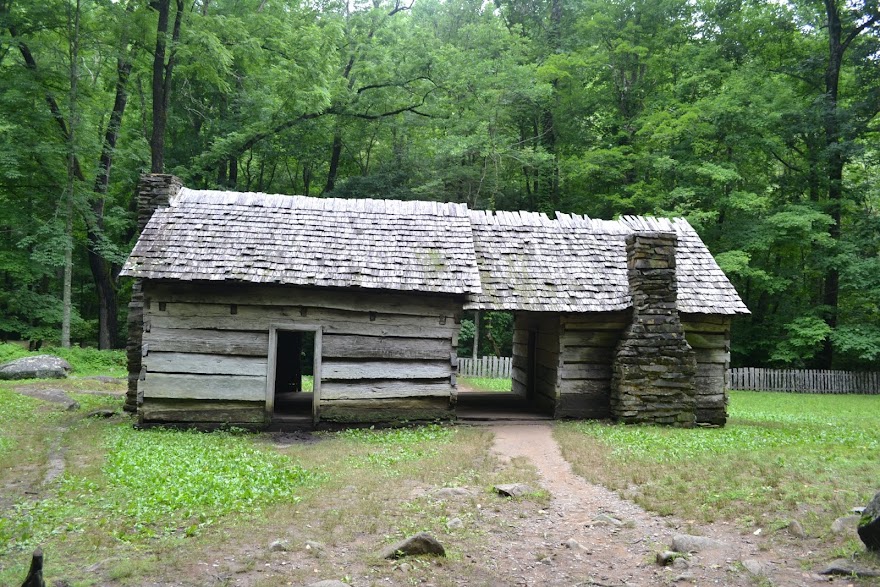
154, 191
654, 367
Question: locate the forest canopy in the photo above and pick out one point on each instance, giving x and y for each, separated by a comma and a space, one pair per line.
755, 120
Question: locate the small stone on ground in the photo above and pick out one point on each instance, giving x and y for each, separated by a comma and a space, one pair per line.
328, 583
754, 567
513, 489
845, 524
846, 567
796, 529
279, 546
55, 396
421, 543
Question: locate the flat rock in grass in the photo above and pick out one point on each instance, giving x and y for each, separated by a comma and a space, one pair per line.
279, 546
754, 567
796, 529
55, 396
102, 413
328, 583
845, 524
421, 543
513, 489
447, 492
869, 524
37, 367
846, 567
689, 543
667, 557
606, 519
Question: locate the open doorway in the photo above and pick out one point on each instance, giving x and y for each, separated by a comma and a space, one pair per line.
293, 382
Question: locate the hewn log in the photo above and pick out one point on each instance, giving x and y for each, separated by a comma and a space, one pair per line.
221, 342
336, 369
219, 387
351, 346
160, 362
339, 390
155, 410
386, 410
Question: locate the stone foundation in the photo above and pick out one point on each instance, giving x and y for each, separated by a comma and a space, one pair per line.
654, 370
154, 191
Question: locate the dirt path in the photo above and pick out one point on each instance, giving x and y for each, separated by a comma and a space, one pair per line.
608, 554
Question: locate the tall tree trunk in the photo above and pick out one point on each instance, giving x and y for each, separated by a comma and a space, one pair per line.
162, 70
335, 155
73, 45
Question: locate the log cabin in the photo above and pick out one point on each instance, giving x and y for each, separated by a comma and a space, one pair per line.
248, 308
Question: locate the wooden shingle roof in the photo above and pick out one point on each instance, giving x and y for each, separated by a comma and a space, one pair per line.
322, 242
577, 264
499, 260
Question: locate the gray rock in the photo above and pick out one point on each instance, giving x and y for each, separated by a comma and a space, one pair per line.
843, 566
328, 583
55, 396
667, 557
796, 529
869, 524
684, 577
316, 548
755, 567
573, 544
513, 489
36, 367
105, 379
606, 519
845, 524
279, 546
421, 543
680, 563
454, 524
689, 543
447, 492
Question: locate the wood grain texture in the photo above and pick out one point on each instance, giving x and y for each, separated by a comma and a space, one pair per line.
221, 342
155, 410
197, 363
336, 369
219, 387
372, 347
340, 390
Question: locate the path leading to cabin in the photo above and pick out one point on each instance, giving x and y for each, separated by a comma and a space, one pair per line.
584, 545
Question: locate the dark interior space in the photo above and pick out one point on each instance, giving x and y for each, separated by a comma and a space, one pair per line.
294, 371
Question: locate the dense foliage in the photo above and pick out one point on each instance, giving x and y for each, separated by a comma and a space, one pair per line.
755, 120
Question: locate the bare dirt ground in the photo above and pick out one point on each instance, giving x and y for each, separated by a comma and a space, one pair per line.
610, 554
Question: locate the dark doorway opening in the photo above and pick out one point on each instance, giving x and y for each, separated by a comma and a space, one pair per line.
294, 372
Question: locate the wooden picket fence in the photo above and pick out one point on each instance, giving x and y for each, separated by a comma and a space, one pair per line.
805, 380
496, 367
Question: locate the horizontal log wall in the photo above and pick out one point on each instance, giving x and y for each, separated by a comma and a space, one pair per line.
383, 356
587, 352
709, 336
805, 380
546, 359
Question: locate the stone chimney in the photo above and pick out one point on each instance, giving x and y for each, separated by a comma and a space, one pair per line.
655, 368
154, 191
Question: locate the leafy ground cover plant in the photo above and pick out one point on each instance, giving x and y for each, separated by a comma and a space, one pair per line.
780, 457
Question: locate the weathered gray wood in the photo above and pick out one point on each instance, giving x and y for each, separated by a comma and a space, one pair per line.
702, 340
221, 342
585, 387
705, 318
327, 323
205, 364
267, 295
704, 326
586, 371
386, 410
219, 387
337, 369
339, 390
230, 412
349, 346
712, 356
586, 354
597, 321
583, 406
594, 338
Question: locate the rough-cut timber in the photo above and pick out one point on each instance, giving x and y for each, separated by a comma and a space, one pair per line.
654, 366
224, 280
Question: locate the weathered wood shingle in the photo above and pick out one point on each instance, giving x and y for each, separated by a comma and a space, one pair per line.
378, 244
500, 260
576, 264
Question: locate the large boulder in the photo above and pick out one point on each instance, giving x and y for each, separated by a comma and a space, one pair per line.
36, 367
869, 525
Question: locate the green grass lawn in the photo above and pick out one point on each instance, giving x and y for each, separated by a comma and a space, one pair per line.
780, 457
486, 383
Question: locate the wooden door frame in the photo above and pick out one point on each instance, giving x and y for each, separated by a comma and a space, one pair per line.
316, 364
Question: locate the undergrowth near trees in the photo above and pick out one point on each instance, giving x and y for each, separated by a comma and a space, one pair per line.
85, 361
